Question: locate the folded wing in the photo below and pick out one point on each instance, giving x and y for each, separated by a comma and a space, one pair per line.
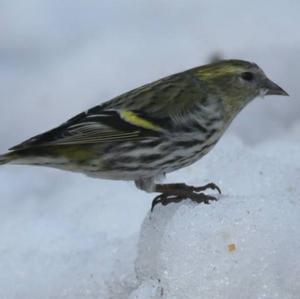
150, 110
96, 126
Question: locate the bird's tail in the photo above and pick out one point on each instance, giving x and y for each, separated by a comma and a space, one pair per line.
6, 158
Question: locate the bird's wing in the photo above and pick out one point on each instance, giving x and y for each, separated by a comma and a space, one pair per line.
150, 110
96, 126
172, 97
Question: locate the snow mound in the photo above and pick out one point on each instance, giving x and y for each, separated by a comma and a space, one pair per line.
246, 245
61, 241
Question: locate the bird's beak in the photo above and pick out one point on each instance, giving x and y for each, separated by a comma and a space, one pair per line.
273, 89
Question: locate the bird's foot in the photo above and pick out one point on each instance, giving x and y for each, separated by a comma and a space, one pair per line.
174, 193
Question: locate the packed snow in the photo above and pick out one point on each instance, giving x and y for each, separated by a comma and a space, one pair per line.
73, 244
66, 236
246, 245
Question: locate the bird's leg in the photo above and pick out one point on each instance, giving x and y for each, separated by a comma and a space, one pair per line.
178, 192
181, 188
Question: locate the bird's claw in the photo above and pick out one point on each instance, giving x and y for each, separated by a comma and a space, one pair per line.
212, 186
166, 198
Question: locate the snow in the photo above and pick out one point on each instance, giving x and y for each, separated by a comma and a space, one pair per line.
70, 244
66, 236
246, 245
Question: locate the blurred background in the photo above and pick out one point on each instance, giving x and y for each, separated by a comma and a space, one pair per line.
60, 57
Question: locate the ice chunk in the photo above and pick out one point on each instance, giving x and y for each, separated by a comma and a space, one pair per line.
246, 245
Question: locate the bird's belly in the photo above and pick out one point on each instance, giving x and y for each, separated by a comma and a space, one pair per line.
186, 156
149, 159
134, 160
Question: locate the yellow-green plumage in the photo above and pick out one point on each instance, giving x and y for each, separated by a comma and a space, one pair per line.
151, 130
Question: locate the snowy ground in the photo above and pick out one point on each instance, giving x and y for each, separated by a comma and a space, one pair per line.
73, 244
67, 236
244, 246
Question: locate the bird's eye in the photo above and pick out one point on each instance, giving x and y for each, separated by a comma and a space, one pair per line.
248, 76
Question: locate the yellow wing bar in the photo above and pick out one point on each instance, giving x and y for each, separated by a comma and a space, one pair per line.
138, 121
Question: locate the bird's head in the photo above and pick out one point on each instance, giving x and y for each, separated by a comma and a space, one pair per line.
237, 82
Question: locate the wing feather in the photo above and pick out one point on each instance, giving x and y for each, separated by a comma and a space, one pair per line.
160, 107
90, 128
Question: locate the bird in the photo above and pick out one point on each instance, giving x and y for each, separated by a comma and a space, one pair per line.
150, 131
